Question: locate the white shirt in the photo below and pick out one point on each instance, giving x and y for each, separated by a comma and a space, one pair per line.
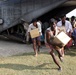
31, 27
68, 26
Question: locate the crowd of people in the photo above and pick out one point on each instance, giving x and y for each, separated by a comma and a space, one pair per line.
68, 25
47, 31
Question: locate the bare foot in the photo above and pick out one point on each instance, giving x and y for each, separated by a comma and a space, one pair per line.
36, 55
60, 69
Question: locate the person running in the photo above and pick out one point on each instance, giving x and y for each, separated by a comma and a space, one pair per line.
49, 36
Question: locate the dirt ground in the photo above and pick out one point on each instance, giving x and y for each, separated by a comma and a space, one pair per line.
10, 47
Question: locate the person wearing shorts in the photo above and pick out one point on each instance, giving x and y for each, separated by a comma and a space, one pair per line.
36, 40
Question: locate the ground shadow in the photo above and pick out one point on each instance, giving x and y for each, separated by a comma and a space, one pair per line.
23, 67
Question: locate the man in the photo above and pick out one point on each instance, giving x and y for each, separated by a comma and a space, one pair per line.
36, 41
49, 36
73, 21
65, 23
65, 26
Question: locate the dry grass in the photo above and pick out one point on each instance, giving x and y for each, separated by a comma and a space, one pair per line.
27, 64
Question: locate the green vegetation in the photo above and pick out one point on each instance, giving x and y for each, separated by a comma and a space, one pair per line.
27, 64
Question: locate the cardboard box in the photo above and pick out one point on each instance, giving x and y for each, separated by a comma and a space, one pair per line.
62, 38
34, 33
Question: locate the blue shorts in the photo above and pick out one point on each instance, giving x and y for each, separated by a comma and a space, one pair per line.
37, 38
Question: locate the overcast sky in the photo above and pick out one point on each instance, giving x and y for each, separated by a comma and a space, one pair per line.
72, 13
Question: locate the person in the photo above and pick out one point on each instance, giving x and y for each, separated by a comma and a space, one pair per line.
36, 41
45, 25
25, 25
49, 36
66, 26
73, 21
65, 23
67, 19
74, 34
